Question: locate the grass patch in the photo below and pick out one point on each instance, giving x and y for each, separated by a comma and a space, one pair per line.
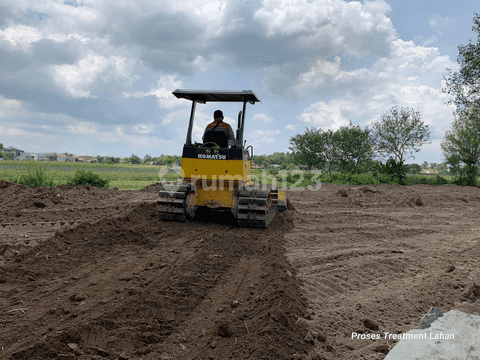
36, 175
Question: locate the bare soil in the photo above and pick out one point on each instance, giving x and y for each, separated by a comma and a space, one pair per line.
88, 273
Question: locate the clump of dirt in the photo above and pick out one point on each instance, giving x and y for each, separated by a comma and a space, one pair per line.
342, 192
473, 290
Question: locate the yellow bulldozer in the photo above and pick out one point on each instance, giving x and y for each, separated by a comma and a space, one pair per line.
217, 175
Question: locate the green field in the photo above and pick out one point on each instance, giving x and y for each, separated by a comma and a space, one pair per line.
135, 177
123, 176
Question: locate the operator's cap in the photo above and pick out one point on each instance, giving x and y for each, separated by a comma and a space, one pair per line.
218, 114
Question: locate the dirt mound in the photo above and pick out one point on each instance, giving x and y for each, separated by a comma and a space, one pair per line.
116, 282
152, 188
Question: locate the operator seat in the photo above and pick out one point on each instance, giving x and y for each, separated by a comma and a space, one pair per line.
218, 137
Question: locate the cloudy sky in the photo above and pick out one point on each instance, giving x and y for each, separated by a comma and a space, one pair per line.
94, 77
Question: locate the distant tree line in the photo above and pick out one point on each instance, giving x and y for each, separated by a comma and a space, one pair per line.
400, 133
162, 160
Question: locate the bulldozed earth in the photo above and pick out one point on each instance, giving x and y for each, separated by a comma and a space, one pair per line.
89, 273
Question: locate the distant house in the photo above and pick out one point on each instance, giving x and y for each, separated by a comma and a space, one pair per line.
51, 156
17, 154
31, 157
67, 157
61, 157
429, 172
85, 159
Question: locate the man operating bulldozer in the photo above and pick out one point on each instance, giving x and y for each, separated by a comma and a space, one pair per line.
219, 132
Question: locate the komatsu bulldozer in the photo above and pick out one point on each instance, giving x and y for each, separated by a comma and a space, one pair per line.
217, 176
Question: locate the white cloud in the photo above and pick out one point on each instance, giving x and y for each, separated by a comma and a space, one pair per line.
354, 28
14, 131
20, 35
325, 116
144, 128
163, 92
78, 78
411, 76
10, 107
430, 40
83, 128
263, 136
291, 126
438, 22
263, 117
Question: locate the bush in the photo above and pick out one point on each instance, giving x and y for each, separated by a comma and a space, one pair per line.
439, 180
272, 170
427, 180
36, 176
84, 177
293, 177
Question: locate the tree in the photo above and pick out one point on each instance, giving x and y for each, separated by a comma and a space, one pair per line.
400, 133
309, 148
425, 165
261, 160
413, 168
8, 155
461, 146
1, 150
158, 160
112, 160
168, 160
442, 168
464, 85
352, 148
177, 159
147, 158
134, 159
280, 158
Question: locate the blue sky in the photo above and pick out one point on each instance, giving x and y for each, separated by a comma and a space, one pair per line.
94, 77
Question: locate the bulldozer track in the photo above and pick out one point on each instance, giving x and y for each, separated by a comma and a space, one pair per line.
257, 208
172, 203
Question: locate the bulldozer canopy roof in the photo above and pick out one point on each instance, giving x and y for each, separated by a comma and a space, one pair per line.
203, 96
